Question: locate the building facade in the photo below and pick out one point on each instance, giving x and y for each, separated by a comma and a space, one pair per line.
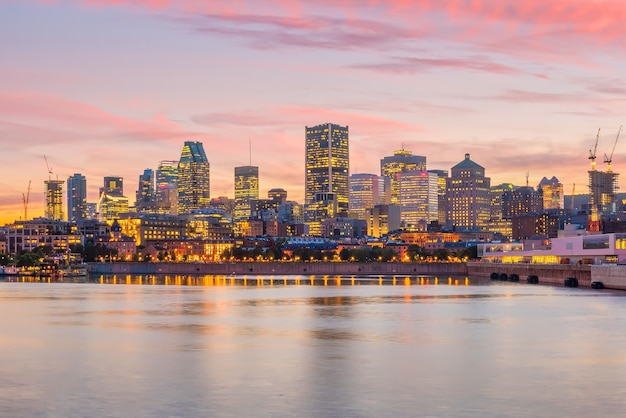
401, 161
418, 196
468, 196
246, 190
76, 198
193, 178
367, 191
327, 163
145, 196
54, 199
553, 196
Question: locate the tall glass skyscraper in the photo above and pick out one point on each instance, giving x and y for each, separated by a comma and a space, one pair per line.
193, 178
367, 191
327, 163
246, 189
76, 197
145, 188
400, 162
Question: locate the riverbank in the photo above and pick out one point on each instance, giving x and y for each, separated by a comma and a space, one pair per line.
282, 268
611, 276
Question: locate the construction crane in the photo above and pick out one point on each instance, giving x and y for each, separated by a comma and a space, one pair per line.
25, 199
592, 154
48, 167
610, 157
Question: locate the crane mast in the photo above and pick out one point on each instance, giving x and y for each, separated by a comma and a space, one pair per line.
25, 199
608, 159
592, 154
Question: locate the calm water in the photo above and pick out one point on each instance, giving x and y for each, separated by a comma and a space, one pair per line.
481, 350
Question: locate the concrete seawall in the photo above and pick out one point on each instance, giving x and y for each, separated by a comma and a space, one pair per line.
288, 268
547, 273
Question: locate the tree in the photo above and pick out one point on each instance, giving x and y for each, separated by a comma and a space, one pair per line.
442, 254
5, 259
344, 254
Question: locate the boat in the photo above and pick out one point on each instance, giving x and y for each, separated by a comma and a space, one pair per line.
9, 270
73, 270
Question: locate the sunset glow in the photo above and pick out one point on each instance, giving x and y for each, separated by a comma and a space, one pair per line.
112, 87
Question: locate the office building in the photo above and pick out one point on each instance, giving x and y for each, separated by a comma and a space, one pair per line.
113, 185
401, 161
246, 190
327, 163
54, 199
193, 178
145, 197
553, 196
418, 197
442, 175
468, 196
367, 191
76, 198
521, 201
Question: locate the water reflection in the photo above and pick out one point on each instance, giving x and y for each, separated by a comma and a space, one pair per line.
309, 346
253, 281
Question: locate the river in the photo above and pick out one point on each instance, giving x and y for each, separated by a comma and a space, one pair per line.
150, 346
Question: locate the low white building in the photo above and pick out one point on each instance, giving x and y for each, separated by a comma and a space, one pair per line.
585, 249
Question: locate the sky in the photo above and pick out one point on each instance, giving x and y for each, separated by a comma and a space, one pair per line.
112, 87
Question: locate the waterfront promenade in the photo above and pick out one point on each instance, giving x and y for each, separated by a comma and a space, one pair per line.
282, 268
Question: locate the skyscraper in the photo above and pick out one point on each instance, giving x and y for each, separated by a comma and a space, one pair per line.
246, 189
401, 161
113, 185
468, 197
327, 163
145, 189
166, 187
418, 196
193, 178
367, 191
327, 171
553, 197
76, 198
54, 199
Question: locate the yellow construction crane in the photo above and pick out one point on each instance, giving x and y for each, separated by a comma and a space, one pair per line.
592, 154
25, 199
610, 157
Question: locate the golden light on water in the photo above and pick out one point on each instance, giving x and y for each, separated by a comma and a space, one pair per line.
256, 281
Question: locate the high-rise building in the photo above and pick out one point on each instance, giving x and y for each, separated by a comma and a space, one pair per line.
327, 163
522, 201
145, 196
442, 175
467, 193
401, 161
496, 193
367, 191
277, 195
113, 185
54, 199
553, 197
418, 196
246, 189
76, 198
193, 178
327, 172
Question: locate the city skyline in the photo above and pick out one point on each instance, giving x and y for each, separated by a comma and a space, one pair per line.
521, 87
